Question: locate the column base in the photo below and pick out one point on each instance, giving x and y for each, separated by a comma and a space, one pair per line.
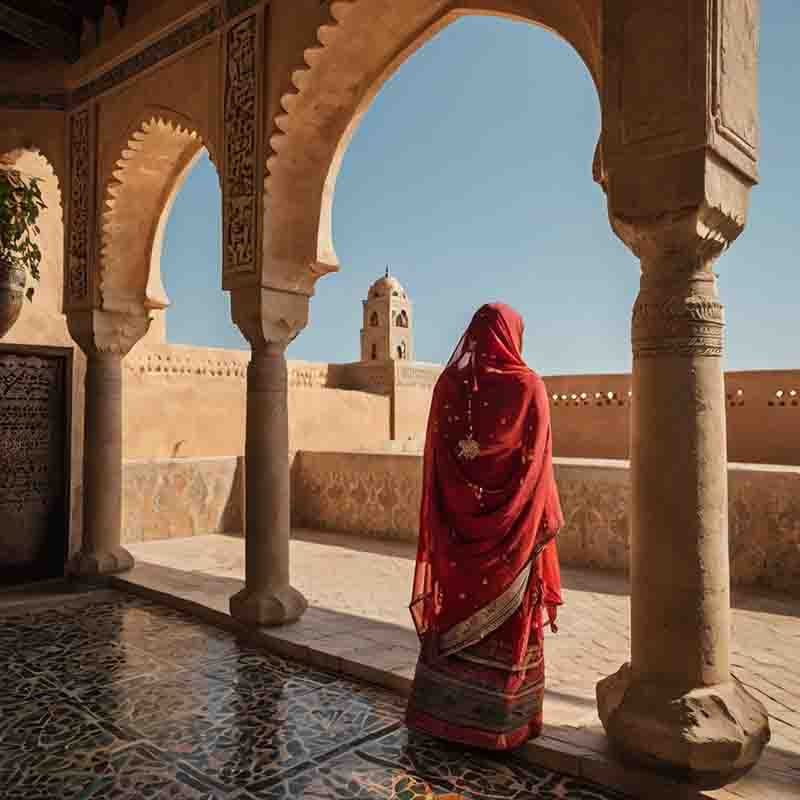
106, 562
707, 735
265, 607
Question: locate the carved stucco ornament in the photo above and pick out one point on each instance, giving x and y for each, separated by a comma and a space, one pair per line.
80, 207
241, 129
690, 325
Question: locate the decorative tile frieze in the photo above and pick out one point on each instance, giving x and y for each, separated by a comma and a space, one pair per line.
179, 39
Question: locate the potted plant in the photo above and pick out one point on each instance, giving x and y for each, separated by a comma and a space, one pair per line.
20, 205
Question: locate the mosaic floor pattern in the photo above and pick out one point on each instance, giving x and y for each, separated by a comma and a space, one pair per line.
111, 696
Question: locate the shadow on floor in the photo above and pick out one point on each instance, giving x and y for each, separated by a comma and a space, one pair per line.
585, 579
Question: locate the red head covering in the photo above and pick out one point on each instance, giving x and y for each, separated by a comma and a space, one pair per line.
489, 499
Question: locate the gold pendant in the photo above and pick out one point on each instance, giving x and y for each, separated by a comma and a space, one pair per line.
468, 449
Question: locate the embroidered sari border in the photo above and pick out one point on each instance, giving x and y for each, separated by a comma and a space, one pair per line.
532, 661
487, 619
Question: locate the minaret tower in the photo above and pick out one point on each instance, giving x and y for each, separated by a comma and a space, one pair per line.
386, 334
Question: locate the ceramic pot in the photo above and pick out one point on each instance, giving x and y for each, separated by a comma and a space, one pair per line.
12, 295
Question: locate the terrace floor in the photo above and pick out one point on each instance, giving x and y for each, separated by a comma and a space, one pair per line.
105, 694
358, 625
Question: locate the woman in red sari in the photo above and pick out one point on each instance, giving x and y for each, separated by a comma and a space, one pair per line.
487, 567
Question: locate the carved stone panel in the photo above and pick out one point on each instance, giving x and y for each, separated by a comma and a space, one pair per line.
34, 387
736, 96
80, 207
656, 71
241, 130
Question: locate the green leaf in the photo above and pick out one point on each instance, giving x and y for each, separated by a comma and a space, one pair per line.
20, 205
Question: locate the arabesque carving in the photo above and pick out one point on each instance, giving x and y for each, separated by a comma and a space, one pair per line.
241, 108
77, 266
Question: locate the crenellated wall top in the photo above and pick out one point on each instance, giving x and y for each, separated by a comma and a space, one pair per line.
171, 361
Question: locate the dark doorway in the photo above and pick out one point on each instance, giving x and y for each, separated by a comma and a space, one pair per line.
35, 400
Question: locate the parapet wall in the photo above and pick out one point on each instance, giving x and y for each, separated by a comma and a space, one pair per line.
189, 401
379, 495
591, 414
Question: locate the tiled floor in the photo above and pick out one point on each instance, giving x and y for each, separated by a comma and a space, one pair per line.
593, 638
111, 696
362, 628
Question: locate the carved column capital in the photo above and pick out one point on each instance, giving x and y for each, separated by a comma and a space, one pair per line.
677, 311
685, 241
267, 318
100, 333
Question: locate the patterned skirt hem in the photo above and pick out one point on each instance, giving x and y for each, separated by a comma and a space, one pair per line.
472, 737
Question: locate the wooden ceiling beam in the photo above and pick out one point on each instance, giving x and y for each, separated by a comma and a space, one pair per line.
52, 32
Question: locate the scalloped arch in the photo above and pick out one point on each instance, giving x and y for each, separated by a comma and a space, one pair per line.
11, 154
357, 49
160, 151
15, 140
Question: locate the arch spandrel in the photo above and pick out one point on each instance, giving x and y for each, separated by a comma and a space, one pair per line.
354, 54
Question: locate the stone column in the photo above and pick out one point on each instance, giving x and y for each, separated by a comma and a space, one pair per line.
105, 338
676, 702
269, 320
677, 159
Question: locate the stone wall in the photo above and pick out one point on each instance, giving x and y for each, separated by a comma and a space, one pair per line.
181, 497
186, 401
42, 322
590, 416
591, 413
378, 494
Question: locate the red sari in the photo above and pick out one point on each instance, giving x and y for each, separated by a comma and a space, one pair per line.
487, 562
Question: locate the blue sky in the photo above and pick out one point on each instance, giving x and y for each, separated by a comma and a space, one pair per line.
470, 176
